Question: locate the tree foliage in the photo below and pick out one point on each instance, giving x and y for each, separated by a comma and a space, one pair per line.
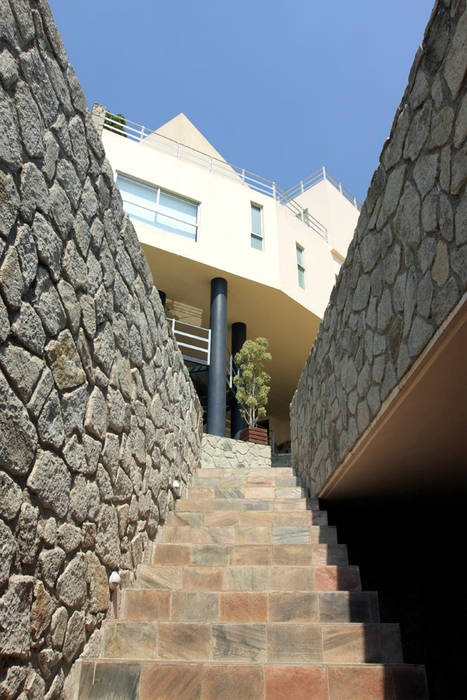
252, 382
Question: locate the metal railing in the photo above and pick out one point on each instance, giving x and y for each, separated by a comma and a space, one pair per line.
138, 132
200, 341
318, 176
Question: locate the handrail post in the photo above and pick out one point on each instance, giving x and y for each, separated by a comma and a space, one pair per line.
301, 186
324, 172
355, 202
274, 190
340, 187
142, 134
243, 174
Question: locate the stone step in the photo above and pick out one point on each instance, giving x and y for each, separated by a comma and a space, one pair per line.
249, 578
241, 504
247, 518
244, 472
101, 679
145, 605
276, 481
247, 491
255, 534
267, 642
250, 554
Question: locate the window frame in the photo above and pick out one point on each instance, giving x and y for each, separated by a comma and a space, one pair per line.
156, 208
253, 235
301, 269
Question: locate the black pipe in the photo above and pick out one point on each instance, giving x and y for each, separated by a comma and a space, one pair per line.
217, 366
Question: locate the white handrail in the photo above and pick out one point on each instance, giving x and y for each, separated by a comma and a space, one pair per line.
204, 341
318, 176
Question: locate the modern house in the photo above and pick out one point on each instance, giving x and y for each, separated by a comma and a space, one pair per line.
234, 255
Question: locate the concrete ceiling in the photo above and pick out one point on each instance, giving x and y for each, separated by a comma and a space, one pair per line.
420, 442
289, 327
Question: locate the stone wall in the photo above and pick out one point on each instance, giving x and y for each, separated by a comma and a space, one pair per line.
222, 453
98, 415
406, 266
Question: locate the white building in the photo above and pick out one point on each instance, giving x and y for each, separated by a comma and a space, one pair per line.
198, 219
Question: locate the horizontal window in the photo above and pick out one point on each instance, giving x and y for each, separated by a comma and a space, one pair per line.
256, 227
159, 208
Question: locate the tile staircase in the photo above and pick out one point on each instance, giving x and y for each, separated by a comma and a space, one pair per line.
249, 596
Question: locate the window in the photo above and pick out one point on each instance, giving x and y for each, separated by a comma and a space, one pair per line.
159, 208
300, 267
256, 227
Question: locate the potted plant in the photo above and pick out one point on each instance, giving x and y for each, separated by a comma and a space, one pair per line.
252, 387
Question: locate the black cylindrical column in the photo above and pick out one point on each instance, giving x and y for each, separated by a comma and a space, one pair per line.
217, 366
237, 423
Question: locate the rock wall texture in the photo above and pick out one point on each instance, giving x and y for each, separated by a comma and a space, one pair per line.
222, 453
406, 266
98, 415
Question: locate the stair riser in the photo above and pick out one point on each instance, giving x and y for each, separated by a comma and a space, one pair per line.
183, 606
243, 472
251, 555
247, 519
239, 504
162, 680
249, 578
245, 491
253, 642
226, 482
249, 535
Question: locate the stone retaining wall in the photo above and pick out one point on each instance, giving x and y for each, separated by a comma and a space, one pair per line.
222, 453
406, 266
98, 414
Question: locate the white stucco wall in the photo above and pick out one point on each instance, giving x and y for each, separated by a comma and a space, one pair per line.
224, 227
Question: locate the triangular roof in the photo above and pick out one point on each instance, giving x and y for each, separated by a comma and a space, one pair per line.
181, 129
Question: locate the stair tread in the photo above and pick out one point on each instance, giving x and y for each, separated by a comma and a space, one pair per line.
249, 591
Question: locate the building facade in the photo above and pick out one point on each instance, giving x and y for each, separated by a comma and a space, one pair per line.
235, 256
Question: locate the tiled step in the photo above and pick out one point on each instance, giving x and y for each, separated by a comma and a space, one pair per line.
247, 518
271, 480
251, 491
102, 679
249, 578
282, 642
211, 606
241, 504
254, 534
314, 554
244, 472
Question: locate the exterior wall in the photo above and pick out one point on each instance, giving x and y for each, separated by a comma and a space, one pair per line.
334, 211
405, 268
98, 415
225, 223
223, 453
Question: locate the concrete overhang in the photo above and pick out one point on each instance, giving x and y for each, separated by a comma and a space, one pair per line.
267, 311
418, 441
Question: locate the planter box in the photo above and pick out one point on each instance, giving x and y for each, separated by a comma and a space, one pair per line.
257, 435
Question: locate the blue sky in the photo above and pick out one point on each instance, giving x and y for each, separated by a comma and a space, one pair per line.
280, 88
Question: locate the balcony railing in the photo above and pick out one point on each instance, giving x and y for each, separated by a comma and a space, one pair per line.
195, 345
137, 132
318, 176
193, 341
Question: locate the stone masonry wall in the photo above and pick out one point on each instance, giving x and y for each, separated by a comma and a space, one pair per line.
223, 453
98, 415
406, 266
